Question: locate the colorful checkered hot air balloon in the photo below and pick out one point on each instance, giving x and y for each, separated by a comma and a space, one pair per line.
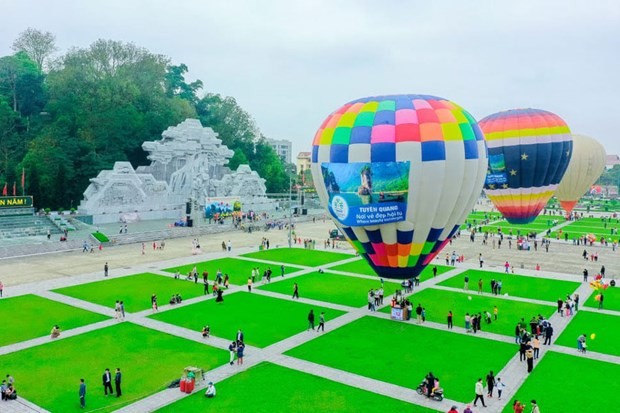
529, 151
398, 175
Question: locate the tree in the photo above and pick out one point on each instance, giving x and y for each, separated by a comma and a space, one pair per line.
36, 44
21, 82
176, 85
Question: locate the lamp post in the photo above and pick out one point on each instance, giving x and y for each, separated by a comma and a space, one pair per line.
290, 209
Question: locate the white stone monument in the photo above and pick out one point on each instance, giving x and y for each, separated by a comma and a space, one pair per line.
187, 164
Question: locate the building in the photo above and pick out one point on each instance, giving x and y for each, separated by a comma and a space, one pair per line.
283, 148
303, 162
612, 160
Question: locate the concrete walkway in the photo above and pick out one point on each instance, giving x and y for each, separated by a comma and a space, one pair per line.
513, 374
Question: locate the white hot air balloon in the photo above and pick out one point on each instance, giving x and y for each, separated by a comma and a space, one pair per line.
399, 174
585, 167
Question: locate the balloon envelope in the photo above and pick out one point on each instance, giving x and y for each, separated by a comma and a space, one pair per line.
399, 174
585, 167
529, 150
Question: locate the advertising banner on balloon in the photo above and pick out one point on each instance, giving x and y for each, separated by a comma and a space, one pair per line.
497, 170
367, 193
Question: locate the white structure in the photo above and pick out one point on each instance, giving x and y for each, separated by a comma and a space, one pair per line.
187, 164
283, 148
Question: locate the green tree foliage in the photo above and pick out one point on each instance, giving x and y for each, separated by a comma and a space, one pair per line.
96, 106
610, 176
239, 132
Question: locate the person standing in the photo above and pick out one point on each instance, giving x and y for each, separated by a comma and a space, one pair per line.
418, 312
107, 382
82, 393
480, 259
240, 348
529, 356
600, 301
480, 286
535, 408
435, 271
105, 270
321, 322
450, 319
249, 284
548, 334
479, 393
466, 285
490, 384
295, 291
585, 274
517, 406
536, 345
1, 288
117, 382
239, 337
229, 246
311, 320
232, 350
500, 388
282, 269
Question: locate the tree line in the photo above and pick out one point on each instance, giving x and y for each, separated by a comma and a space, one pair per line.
65, 118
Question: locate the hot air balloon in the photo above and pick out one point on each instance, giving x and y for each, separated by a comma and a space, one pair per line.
399, 174
529, 150
585, 167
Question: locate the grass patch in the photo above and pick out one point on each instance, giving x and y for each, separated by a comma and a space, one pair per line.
351, 348
30, 316
295, 392
49, 375
237, 270
438, 302
332, 288
300, 256
101, 237
264, 320
361, 266
135, 291
568, 393
611, 299
606, 327
515, 285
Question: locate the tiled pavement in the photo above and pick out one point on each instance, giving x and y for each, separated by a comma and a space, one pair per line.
513, 374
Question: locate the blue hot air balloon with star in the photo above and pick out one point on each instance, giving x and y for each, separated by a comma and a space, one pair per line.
529, 151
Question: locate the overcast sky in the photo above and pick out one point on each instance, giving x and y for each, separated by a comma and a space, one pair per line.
291, 63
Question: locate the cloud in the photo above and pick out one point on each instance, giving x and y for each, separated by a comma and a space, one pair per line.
290, 63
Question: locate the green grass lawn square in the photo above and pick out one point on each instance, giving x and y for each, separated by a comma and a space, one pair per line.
295, 392
30, 316
564, 383
605, 327
403, 354
361, 266
300, 256
237, 270
263, 320
515, 285
332, 288
135, 291
437, 303
611, 299
49, 375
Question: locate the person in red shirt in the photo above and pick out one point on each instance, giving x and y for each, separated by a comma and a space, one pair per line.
453, 410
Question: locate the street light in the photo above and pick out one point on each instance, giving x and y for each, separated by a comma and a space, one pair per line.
290, 209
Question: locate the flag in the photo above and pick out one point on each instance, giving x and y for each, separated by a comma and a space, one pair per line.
14, 188
5, 190
23, 180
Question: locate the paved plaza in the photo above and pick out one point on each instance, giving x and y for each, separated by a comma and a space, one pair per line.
39, 274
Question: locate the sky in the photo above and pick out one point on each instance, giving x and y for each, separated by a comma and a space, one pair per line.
291, 63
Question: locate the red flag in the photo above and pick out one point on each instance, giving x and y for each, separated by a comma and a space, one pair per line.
23, 179
14, 188
5, 191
